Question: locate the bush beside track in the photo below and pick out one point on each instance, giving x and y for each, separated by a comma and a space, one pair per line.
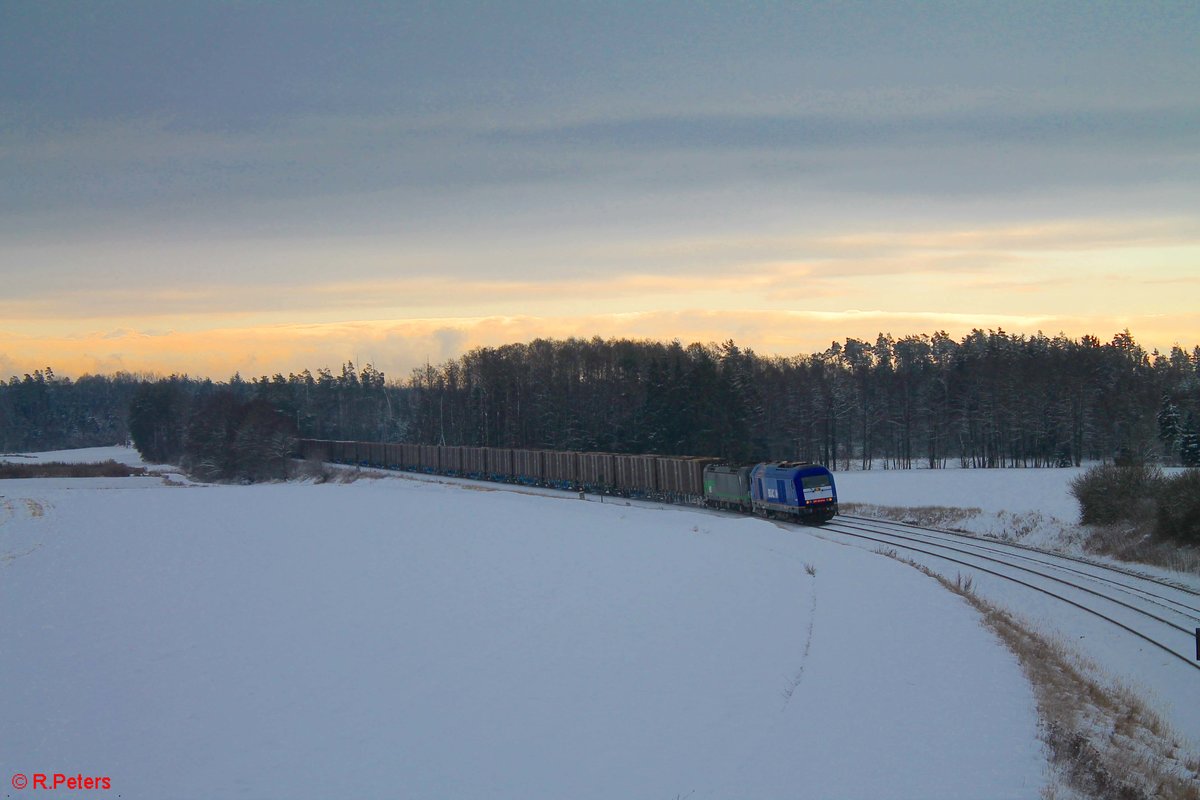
1165, 507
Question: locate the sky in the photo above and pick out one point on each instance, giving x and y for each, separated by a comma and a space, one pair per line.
204, 188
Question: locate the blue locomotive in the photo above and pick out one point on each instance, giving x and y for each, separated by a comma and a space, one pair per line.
794, 489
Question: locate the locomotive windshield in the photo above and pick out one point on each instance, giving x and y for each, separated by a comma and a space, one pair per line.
816, 481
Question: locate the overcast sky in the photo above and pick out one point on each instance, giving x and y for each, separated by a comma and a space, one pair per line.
210, 187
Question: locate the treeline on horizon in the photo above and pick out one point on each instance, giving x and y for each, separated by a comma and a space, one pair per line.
989, 399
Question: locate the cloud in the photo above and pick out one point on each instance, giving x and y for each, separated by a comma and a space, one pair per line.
321, 279
1136, 128
398, 346
344, 172
451, 340
188, 178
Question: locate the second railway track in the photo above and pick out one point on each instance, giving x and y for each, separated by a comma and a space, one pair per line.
1161, 614
1169, 596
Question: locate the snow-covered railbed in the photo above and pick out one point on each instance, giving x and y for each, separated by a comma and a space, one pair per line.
1031, 507
1137, 630
404, 638
1154, 594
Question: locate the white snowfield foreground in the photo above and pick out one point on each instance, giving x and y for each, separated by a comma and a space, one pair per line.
395, 638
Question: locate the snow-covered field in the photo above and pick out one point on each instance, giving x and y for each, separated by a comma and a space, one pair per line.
414, 639
992, 491
87, 455
1033, 506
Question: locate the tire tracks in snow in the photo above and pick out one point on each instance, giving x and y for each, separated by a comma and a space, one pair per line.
33, 509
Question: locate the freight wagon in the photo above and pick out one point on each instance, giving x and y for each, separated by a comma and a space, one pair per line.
783, 488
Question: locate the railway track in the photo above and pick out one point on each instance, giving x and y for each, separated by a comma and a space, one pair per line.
1169, 595
1064, 557
1159, 613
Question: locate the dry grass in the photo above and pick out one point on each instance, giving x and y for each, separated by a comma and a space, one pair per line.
352, 475
943, 517
1135, 542
57, 469
1104, 742
313, 469
320, 472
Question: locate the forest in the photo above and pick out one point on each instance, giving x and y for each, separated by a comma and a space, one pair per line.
989, 399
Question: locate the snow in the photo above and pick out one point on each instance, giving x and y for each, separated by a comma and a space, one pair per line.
992, 491
1034, 506
85, 455
405, 638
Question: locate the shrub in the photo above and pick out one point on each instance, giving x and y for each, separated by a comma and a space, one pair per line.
230, 440
264, 442
1179, 508
1109, 493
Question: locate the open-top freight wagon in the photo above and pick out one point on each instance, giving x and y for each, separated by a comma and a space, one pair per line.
791, 489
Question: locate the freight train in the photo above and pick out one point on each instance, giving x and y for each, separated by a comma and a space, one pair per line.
786, 489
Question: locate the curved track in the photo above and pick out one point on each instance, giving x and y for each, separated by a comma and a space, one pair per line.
1169, 595
1162, 614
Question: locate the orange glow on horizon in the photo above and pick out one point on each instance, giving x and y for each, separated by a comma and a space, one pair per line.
398, 346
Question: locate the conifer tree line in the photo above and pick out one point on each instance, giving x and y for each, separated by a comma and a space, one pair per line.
989, 399
43, 411
235, 430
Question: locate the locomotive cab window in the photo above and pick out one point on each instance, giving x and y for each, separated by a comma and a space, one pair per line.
816, 482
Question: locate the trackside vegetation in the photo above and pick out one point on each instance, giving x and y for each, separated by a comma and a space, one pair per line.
1143, 501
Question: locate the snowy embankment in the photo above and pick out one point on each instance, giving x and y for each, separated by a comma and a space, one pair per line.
1035, 507
1032, 506
403, 638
